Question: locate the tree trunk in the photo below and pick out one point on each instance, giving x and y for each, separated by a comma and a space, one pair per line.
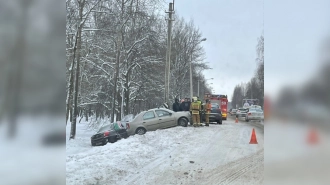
127, 98
76, 85
114, 98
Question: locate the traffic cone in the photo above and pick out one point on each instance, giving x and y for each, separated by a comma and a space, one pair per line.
253, 138
236, 120
313, 137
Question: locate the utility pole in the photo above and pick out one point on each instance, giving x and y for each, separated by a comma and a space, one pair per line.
198, 86
191, 87
168, 52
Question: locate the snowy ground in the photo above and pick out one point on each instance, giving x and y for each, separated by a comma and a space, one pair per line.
219, 154
290, 159
25, 159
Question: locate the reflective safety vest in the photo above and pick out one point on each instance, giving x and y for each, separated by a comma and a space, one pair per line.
195, 107
207, 108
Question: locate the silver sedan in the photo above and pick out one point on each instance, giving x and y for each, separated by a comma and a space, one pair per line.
254, 114
158, 118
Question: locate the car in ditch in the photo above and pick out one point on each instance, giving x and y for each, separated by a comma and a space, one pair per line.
112, 132
157, 118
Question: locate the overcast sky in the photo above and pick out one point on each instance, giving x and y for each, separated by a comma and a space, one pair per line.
293, 31
232, 29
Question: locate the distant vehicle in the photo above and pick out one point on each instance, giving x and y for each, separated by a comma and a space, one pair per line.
241, 112
254, 114
249, 102
233, 112
221, 100
215, 115
158, 118
112, 132
256, 106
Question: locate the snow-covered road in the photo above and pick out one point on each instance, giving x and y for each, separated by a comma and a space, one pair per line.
219, 154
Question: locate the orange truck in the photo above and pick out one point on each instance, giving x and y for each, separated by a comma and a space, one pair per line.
219, 99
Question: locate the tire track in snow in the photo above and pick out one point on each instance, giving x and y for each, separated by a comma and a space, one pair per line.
230, 172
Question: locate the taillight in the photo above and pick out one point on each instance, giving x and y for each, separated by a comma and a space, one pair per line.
106, 134
249, 114
127, 126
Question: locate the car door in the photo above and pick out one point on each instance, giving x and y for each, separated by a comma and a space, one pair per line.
150, 121
165, 119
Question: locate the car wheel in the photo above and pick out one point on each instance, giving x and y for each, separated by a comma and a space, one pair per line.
140, 131
219, 122
246, 119
183, 122
112, 139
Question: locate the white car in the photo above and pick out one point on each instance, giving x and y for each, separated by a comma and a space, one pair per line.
254, 114
241, 112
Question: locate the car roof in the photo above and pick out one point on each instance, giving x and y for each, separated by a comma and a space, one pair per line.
154, 109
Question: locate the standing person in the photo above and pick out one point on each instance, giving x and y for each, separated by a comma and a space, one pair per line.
176, 105
201, 110
182, 105
185, 106
207, 109
195, 109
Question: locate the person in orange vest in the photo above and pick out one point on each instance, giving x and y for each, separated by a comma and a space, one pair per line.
207, 110
195, 108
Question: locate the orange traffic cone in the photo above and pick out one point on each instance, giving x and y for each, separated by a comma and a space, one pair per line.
313, 137
236, 121
253, 138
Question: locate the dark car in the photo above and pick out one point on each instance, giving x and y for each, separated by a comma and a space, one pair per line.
112, 132
215, 115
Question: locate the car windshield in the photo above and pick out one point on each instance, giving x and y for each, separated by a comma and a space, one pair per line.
214, 105
252, 110
259, 110
104, 128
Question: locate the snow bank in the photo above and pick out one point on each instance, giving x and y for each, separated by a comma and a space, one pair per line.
157, 156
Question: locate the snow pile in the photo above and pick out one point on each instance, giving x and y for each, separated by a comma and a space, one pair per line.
112, 161
159, 156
